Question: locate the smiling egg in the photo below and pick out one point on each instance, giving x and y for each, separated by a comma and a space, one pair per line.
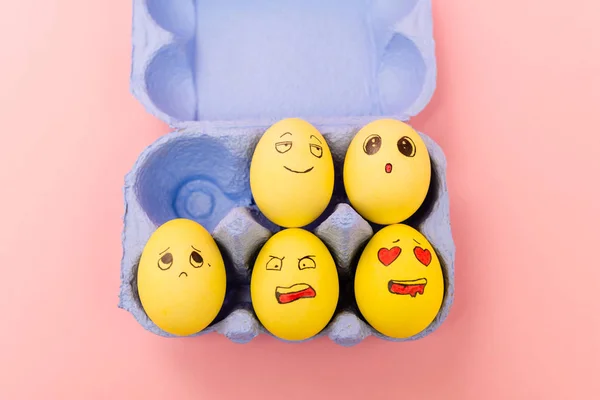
181, 277
291, 173
399, 285
294, 285
387, 171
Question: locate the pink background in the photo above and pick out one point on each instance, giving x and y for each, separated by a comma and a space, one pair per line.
517, 113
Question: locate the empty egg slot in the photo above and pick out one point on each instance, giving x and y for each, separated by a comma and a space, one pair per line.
193, 177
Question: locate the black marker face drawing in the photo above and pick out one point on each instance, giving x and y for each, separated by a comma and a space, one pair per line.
412, 287
387, 256
292, 174
307, 262
297, 291
166, 260
301, 154
275, 263
294, 284
373, 143
407, 147
195, 260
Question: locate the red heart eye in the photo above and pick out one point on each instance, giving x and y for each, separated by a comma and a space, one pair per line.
387, 256
423, 255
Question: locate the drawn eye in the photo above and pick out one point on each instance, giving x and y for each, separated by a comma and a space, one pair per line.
165, 261
316, 150
407, 147
196, 259
307, 262
283, 147
423, 255
275, 264
372, 144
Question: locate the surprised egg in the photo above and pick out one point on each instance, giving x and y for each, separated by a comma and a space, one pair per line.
294, 286
181, 277
387, 171
399, 285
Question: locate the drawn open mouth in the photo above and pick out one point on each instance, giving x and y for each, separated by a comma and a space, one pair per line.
408, 287
298, 172
295, 292
183, 273
388, 168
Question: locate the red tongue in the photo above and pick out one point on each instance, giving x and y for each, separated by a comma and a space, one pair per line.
388, 168
284, 298
411, 290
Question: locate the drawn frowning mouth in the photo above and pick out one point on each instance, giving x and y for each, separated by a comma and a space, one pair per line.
411, 287
295, 292
298, 172
183, 273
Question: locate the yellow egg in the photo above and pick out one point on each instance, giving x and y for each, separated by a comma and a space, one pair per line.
294, 286
399, 285
291, 173
181, 277
387, 171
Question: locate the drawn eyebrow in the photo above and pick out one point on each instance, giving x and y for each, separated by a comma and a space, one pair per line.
196, 249
279, 258
313, 136
306, 257
396, 241
416, 242
164, 251
287, 133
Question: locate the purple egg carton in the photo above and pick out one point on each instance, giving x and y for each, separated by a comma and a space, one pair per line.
220, 73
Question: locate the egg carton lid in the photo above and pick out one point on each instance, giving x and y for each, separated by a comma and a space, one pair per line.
198, 64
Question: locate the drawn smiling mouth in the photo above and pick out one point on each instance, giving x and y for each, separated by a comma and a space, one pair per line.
411, 287
295, 292
298, 172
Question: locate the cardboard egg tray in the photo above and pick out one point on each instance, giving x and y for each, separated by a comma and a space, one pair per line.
220, 73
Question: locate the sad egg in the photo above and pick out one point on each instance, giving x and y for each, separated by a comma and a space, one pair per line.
387, 171
399, 285
294, 286
291, 173
181, 277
